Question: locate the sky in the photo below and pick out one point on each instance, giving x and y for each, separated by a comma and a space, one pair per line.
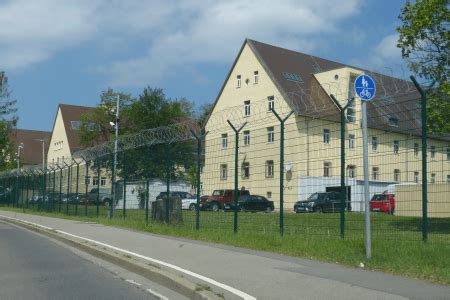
63, 51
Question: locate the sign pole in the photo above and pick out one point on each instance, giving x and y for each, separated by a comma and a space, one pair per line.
368, 239
365, 89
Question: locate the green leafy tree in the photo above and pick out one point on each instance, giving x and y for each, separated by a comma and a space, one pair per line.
8, 120
151, 109
424, 41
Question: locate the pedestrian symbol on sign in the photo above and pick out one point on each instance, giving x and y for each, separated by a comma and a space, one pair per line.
365, 87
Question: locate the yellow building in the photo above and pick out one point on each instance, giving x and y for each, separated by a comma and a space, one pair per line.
265, 77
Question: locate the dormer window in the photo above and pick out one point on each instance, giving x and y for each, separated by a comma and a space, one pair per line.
393, 122
238, 81
256, 77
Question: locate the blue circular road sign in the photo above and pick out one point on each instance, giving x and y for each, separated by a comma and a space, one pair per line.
365, 87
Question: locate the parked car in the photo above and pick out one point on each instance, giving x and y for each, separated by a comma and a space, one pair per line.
320, 202
191, 203
384, 202
220, 198
180, 194
104, 197
252, 203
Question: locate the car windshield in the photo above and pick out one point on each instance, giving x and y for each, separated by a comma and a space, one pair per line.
313, 197
218, 193
379, 197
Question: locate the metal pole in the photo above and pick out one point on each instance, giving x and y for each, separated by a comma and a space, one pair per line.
167, 181
76, 189
368, 239
146, 200
98, 187
282, 121
60, 187
125, 175
424, 157
54, 186
116, 145
343, 193
236, 160
199, 162
68, 187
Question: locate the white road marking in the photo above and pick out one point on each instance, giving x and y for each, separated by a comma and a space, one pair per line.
190, 273
133, 282
161, 297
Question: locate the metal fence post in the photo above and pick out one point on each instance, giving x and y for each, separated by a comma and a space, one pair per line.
343, 193
282, 121
199, 153
86, 182
76, 189
125, 175
236, 180
53, 189
147, 196
168, 163
60, 187
68, 187
423, 104
98, 187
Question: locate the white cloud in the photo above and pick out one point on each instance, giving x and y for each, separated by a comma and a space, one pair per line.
177, 34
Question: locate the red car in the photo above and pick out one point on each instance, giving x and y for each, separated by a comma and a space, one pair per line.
384, 202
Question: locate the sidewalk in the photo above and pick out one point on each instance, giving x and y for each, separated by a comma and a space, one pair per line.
259, 274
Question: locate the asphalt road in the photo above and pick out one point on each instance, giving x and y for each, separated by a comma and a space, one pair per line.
33, 267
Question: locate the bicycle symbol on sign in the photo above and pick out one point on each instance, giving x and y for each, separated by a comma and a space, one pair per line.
365, 94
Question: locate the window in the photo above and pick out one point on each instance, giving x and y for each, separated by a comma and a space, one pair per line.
448, 154
270, 134
223, 172
396, 147
448, 178
416, 177
238, 81
87, 180
326, 169
270, 103
269, 168
326, 136
433, 152
416, 149
396, 175
374, 144
375, 173
95, 181
256, 77
245, 170
103, 181
433, 178
269, 195
351, 141
247, 137
224, 141
393, 122
351, 112
351, 171
247, 108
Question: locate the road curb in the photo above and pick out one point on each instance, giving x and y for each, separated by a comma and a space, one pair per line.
149, 270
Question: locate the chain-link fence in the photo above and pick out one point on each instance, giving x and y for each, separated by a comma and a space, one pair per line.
288, 164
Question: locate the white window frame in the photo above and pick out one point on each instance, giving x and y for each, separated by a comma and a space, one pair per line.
271, 134
238, 81
416, 150
224, 140
270, 103
396, 147
397, 175
246, 134
433, 152
375, 173
374, 144
327, 169
351, 171
256, 74
270, 168
351, 141
416, 177
326, 136
102, 181
433, 178
223, 171
247, 109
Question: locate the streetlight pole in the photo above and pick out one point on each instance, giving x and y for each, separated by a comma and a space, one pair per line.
116, 144
19, 147
43, 151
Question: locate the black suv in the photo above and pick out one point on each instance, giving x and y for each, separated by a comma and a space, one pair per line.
179, 194
320, 202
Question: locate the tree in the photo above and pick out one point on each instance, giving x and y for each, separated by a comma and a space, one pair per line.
424, 41
152, 109
8, 120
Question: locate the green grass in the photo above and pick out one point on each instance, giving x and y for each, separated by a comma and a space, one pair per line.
396, 245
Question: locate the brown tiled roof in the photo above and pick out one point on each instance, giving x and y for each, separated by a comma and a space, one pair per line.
31, 154
73, 113
395, 98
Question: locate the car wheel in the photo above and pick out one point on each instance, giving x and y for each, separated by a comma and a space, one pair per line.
192, 206
215, 207
106, 202
318, 209
268, 209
